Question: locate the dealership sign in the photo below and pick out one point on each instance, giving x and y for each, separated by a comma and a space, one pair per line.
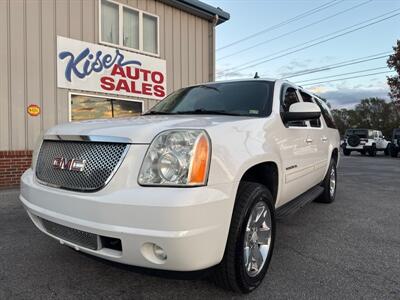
92, 67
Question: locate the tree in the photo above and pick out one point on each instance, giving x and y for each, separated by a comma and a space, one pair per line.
372, 113
394, 81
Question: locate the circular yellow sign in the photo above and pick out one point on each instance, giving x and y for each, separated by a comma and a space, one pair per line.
33, 110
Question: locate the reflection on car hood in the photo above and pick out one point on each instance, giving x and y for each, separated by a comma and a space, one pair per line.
140, 129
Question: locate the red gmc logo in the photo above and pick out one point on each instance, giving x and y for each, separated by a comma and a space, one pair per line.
61, 163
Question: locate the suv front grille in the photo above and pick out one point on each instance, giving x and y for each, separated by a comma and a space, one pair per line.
78, 237
102, 161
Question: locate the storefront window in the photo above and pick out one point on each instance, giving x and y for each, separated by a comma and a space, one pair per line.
109, 22
111, 15
85, 107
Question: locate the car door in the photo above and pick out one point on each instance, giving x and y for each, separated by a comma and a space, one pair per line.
320, 141
376, 139
297, 150
381, 141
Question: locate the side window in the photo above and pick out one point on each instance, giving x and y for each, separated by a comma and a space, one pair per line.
370, 134
326, 113
288, 97
307, 98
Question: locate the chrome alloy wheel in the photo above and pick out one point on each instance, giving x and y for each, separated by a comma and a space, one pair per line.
257, 239
332, 182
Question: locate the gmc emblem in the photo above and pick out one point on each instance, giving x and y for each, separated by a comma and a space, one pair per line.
61, 163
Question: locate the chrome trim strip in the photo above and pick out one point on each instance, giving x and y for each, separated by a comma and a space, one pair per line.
92, 190
89, 138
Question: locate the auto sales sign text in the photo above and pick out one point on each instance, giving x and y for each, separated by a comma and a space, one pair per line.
91, 67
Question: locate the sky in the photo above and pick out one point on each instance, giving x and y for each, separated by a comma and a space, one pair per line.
282, 33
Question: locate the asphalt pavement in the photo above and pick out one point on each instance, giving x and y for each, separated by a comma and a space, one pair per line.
346, 250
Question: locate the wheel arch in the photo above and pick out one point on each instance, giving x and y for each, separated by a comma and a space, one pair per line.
335, 155
265, 173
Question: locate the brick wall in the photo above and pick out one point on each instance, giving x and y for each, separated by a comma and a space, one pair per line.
12, 165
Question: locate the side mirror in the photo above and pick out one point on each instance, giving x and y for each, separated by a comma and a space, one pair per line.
302, 111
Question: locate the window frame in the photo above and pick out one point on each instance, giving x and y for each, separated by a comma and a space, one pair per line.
111, 97
325, 108
120, 45
297, 91
313, 100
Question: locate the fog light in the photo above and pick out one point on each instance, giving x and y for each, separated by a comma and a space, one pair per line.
159, 252
153, 253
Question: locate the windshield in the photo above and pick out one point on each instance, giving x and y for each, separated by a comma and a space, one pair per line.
362, 133
245, 98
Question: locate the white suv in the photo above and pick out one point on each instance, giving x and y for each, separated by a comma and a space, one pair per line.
365, 141
196, 182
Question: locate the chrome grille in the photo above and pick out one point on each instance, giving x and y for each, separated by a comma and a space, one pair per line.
75, 236
102, 160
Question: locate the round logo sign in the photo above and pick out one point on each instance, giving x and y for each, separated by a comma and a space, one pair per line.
33, 110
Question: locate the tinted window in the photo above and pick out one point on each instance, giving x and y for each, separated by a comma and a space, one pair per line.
326, 113
308, 98
396, 134
288, 97
362, 133
246, 98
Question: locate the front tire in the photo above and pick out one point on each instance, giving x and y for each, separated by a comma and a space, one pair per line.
251, 240
329, 184
346, 152
387, 150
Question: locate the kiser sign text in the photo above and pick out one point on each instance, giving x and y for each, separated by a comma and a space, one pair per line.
91, 67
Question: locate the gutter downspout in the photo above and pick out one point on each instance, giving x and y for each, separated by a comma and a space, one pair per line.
211, 42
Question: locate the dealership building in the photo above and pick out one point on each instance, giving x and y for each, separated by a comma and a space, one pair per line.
73, 60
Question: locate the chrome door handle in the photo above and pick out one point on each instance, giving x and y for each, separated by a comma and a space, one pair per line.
324, 139
308, 140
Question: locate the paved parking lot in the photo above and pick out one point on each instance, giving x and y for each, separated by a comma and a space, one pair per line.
349, 249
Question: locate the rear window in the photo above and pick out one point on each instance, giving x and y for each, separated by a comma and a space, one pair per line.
396, 133
362, 133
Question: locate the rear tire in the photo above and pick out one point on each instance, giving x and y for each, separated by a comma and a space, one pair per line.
346, 152
329, 184
233, 273
387, 150
372, 151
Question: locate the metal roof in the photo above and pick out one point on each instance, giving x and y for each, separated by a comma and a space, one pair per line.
200, 9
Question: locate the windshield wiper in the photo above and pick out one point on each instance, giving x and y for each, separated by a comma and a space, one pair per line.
206, 112
157, 113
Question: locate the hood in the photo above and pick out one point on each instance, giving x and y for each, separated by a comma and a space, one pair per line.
141, 130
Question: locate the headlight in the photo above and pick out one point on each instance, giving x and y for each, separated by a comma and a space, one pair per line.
36, 149
177, 158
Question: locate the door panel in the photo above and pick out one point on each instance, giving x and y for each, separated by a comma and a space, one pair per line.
298, 163
298, 151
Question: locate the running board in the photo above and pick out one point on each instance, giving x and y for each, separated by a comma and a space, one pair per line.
297, 203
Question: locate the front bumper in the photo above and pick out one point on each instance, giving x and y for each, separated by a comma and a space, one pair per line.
190, 224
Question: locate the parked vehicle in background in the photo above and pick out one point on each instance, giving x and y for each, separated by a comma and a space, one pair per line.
365, 141
395, 144
194, 183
